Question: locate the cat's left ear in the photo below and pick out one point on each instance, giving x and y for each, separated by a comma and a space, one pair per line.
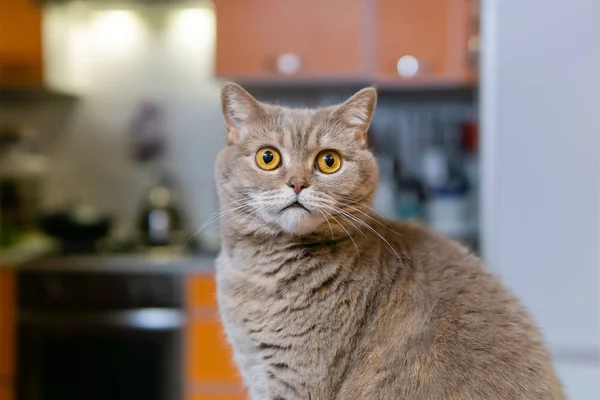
357, 113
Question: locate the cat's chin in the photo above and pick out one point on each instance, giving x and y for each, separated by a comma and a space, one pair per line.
297, 221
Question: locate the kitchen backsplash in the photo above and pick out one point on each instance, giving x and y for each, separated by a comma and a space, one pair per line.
116, 60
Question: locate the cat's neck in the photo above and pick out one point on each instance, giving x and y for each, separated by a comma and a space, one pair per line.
283, 240
261, 253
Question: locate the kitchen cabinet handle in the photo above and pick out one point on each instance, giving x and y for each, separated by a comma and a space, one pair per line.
407, 66
140, 319
288, 64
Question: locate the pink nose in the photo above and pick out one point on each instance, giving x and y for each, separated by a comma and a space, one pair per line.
297, 184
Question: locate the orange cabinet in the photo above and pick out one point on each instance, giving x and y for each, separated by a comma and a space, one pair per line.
7, 333
216, 397
381, 41
209, 354
423, 41
20, 43
6, 393
210, 373
270, 39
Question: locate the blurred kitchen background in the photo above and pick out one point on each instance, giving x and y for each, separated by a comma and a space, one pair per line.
110, 123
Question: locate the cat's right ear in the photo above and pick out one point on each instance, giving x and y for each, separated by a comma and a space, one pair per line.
240, 110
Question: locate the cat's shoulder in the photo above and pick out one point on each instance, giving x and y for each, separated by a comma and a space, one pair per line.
430, 251
417, 236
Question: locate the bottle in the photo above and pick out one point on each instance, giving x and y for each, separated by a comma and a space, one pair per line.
160, 221
384, 202
409, 196
471, 171
446, 207
385, 195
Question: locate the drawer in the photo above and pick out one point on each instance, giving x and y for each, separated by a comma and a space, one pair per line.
216, 391
6, 393
210, 397
7, 324
201, 291
209, 358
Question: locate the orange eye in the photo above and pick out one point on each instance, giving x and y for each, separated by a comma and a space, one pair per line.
268, 158
329, 161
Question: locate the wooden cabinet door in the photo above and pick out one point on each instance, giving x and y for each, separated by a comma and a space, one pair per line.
7, 333
6, 393
20, 42
267, 39
423, 41
210, 370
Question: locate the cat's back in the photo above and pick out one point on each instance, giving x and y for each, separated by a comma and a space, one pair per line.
449, 329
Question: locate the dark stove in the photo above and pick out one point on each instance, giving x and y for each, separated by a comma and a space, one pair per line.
99, 335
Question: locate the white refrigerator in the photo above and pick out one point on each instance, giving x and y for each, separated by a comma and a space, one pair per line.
540, 111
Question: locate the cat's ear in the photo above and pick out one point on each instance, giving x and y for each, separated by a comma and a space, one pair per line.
240, 110
357, 112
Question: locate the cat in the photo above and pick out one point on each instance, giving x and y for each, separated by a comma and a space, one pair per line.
321, 298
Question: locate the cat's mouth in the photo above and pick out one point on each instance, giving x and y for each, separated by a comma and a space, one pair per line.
295, 205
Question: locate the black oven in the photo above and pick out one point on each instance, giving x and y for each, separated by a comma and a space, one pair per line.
99, 336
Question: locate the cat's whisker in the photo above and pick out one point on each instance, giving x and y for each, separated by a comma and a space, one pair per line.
223, 213
220, 214
232, 218
208, 221
345, 230
376, 233
250, 214
223, 207
328, 223
361, 204
343, 214
213, 228
358, 220
386, 226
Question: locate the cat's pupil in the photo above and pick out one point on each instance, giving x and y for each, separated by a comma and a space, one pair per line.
267, 157
329, 160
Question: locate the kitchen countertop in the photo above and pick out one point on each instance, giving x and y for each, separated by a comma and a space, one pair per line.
125, 263
32, 248
39, 253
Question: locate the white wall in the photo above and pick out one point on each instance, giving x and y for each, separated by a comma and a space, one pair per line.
541, 152
115, 58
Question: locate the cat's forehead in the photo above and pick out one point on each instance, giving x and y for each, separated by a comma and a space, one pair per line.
301, 130
297, 129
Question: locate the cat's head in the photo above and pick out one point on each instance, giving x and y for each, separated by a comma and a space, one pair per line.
291, 170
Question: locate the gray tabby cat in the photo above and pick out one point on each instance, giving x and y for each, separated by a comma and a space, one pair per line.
322, 299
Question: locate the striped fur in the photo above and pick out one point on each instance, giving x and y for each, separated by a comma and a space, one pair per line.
334, 302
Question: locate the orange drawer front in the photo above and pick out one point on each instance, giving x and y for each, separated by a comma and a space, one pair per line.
201, 291
210, 397
208, 354
215, 391
6, 393
209, 368
7, 323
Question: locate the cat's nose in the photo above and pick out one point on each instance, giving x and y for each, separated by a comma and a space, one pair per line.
297, 184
